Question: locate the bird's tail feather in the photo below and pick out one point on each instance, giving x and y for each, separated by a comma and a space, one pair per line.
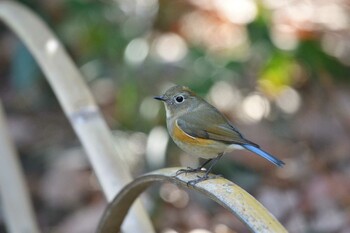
264, 154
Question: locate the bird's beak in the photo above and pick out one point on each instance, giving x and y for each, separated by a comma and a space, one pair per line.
161, 98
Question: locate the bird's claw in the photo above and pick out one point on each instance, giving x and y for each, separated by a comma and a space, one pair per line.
199, 178
196, 181
188, 170
202, 178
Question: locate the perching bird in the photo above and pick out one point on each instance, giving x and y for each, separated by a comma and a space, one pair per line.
200, 129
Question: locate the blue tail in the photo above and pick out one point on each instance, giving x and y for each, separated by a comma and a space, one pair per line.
264, 154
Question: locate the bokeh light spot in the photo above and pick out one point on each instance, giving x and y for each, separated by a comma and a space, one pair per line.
337, 45
156, 146
221, 228
199, 231
170, 47
255, 107
149, 108
168, 230
103, 90
333, 16
136, 51
51, 46
224, 96
138, 7
240, 12
284, 37
172, 194
288, 100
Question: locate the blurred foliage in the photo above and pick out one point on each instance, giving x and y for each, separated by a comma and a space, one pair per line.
279, 71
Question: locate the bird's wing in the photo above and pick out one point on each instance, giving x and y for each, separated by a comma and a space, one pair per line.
208, 123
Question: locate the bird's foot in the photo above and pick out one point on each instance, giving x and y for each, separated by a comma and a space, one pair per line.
202, 178
188, 170
199, 179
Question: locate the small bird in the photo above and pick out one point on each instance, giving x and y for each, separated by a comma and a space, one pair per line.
200, 129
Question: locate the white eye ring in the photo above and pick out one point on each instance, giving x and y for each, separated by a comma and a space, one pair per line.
179, 99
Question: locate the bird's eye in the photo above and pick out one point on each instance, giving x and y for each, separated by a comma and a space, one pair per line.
179, 99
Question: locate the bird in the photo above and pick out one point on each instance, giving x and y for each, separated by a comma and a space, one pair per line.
199, 129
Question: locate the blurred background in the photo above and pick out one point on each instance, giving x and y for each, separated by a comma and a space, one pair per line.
280, 70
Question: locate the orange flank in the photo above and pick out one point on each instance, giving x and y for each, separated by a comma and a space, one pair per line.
180, 135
